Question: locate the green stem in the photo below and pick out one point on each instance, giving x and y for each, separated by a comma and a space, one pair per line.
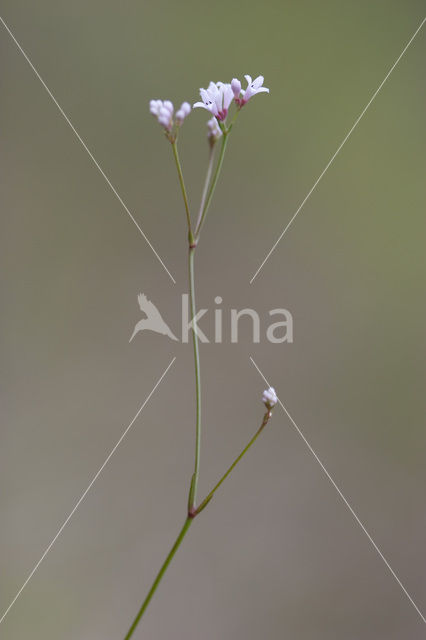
236, 114
160, 574
182, 186
192, 510
194, 483
206, 183
213, 184
210, 495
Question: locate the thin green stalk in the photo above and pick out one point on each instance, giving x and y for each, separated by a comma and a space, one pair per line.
206, 183
193, 511
194, 482
182, 186
236, 114
160, 574
234, 464
213, 184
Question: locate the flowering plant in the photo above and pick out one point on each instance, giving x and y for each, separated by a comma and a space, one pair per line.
217, 99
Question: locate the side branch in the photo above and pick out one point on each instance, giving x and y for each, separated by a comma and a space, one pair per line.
210, 495
183, 188
202, 217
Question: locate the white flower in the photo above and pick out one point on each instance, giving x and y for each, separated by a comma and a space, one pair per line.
185, 110
216, 99
214, 132
163, 110
269, 398
253, 87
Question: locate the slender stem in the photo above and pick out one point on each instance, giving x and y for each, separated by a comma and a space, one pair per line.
213, 184
194, 483
160, 574
236, 114
182, 186
210, 495
206, 183
192, 510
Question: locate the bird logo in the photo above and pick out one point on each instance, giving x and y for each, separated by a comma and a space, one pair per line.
153, 320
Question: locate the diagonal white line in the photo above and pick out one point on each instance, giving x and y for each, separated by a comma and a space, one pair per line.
344, 499
84, 494
86, 148
330, 162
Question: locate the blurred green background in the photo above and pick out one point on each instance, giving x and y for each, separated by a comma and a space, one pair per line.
277, 554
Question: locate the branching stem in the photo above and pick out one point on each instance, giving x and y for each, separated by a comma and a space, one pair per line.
213, 184
193, 510
183, 188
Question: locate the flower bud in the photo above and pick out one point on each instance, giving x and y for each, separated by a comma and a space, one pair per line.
185, 109
163, 110
154, 106
269, 398
236, 88
214, 131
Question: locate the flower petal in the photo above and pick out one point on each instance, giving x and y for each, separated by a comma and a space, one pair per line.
228, 95
213, 88
257, 82
236, 87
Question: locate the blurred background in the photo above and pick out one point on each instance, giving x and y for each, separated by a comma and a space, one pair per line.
277, 554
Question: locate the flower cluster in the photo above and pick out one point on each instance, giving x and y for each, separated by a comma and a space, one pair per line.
218, 96
253, 87
217, 99
163, 110
269, 398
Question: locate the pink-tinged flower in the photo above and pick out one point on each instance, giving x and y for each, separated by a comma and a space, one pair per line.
216, 99
253, 87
